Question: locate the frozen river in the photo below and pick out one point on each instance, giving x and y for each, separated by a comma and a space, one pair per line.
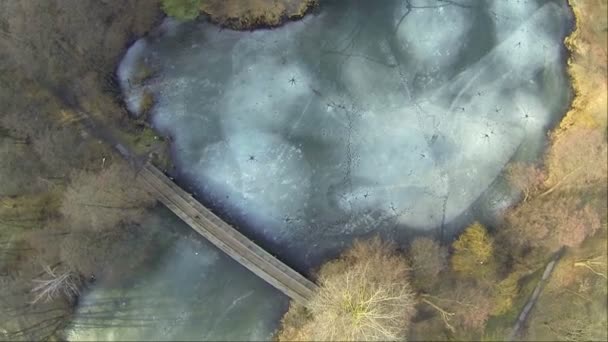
390, 117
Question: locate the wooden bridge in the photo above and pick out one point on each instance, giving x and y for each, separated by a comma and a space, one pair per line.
225, 237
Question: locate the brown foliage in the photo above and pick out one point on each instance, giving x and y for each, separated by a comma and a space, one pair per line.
578, 159
364, 295
587, 65
293, 324
464, 306
526, 178
432, 329
61, 149
571, 315
552, 222
242, 15
57, 39
428, 259
472, 306
105, 199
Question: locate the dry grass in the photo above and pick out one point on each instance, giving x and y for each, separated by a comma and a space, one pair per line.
364, 296
587, 66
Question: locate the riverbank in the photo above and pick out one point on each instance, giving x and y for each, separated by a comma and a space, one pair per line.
572, 304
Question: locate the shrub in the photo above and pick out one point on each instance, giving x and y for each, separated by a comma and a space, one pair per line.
364, 295
505, 293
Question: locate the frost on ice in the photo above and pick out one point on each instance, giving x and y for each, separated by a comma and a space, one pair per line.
368, 116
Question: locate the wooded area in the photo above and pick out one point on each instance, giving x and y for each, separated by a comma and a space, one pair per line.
69, 210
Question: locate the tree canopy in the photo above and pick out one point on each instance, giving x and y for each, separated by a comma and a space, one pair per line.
473, 252
364, 295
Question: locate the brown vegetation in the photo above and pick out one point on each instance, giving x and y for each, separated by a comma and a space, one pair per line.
587, 66
464, 308
364, 295
428, 259
577, 159
562, 220
526, 178
245, 15
57, 60
573, 203
102, 200
57, 40
573, 305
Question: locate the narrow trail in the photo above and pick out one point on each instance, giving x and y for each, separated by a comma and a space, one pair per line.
525, 312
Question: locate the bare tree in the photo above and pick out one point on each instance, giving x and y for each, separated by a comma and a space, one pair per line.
526, 178
428, 259
57, 40
102, 200
560, 220
22, 317
463, 306
56, 282
364, 295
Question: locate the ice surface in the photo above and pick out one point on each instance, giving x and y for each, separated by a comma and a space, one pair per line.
195, 293
368, 116
386, 117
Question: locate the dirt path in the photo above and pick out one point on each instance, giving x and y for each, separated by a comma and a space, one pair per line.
525, 312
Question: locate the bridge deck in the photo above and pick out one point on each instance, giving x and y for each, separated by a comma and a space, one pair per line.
226, 238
